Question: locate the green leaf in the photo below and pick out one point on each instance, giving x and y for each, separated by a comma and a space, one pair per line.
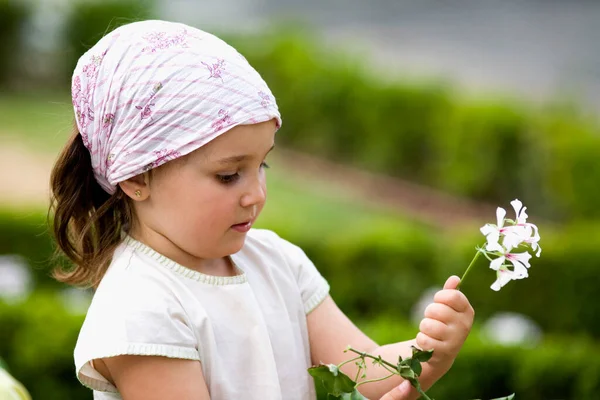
421, 355
334, 380
415, 365
355, 395
406, 372
511, 397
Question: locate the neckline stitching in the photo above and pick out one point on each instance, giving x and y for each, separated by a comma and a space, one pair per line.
187, 272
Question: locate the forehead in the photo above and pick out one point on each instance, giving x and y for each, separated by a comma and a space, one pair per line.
255, 139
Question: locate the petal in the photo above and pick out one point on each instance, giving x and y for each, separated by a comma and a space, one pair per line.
497, 263
523, 216
517, 205
512, 240
520, 272
500, 214
494, 245
519, 260
487, 229
502, 278
537, 247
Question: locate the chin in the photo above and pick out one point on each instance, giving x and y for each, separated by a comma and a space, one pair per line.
235, 245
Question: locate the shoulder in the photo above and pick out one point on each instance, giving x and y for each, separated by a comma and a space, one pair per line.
132, 278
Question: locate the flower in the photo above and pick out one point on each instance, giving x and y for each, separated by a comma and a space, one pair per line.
502, 240
513, 235
520, 262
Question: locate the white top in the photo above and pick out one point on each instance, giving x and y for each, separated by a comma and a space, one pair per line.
248, 331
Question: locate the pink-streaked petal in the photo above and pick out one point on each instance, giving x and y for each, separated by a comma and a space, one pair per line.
496, 264
519, 258
500, 214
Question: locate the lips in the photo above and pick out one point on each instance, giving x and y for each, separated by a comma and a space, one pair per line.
243, 227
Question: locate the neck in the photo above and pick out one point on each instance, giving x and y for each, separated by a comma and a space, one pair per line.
161, 244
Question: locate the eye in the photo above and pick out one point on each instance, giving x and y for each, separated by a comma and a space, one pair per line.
264, 165
228, 179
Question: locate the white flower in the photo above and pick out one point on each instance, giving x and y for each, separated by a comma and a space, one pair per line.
513, 235
501, 242
520, 262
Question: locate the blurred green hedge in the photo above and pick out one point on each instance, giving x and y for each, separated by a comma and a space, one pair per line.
338, 106
334, 106
13, 15
39, 334
384, 270
89, 21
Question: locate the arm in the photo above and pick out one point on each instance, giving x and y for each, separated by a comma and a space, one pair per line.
445, 327
154, 378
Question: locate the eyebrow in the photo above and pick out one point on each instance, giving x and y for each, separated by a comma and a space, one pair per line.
239, 158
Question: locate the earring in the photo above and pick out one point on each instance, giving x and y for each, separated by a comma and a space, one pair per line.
138, 193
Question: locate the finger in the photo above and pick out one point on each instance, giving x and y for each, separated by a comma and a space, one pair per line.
452, 282
425, 342
403, 392
440, 312
453, 299
434, 329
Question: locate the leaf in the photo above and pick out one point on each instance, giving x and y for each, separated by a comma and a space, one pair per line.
355, 395
421, 355
406, 372
334, 380
415, 365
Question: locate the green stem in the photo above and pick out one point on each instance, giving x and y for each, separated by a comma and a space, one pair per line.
422, 393
349, 361
375, 380
468, 269
358, 372
395, 368
367, 355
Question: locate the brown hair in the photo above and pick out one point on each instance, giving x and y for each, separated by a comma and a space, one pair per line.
87, 222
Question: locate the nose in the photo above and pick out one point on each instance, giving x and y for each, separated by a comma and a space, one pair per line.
255, 194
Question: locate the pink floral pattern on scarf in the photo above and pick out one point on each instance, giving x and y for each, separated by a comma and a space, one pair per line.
148, 84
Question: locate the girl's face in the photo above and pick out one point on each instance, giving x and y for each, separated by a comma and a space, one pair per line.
201, 205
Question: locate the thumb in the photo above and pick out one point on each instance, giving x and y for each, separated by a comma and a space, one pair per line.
452, 282
402, 392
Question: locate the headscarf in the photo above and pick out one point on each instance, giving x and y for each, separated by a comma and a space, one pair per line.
152, 91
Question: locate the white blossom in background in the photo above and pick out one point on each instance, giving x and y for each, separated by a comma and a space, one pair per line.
15, 278
418, 309
76, 300
512, 329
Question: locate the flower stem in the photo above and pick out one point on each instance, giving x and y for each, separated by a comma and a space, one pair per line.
468, 269
349, 361
374, 380
367, 355
394, 371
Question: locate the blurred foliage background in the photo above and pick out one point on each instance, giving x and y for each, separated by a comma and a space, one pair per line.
401, 176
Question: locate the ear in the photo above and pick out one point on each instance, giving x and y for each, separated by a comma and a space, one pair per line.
137, 187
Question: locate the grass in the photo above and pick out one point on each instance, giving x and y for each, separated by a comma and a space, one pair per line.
41, 122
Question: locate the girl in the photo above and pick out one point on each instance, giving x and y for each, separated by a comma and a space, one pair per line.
154, 199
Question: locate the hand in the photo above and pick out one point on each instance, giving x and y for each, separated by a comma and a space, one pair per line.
447, 323
403, 392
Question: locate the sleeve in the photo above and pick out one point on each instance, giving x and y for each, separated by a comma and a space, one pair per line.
131, 319
314, 288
